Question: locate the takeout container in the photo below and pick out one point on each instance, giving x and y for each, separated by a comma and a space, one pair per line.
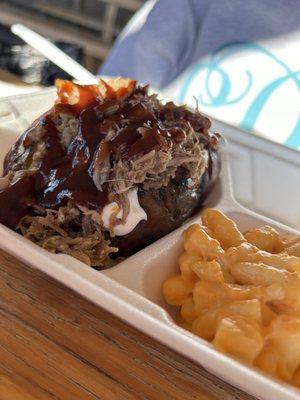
263, 187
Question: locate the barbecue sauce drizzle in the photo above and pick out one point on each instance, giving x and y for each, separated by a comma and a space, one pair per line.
66, 174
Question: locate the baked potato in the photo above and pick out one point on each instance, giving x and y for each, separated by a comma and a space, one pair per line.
108, 170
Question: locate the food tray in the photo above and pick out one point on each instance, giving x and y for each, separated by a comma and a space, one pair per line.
265, 178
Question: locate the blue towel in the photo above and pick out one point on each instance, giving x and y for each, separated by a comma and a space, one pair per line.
239, 59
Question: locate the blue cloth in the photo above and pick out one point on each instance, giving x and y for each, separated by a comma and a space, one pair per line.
238, 58
177, 33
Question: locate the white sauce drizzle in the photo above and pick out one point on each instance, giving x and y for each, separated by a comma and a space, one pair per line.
136, 214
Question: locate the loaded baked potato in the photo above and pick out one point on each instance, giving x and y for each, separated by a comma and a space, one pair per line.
108, 170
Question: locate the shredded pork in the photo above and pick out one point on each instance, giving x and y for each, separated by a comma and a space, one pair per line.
70, 231
156, 168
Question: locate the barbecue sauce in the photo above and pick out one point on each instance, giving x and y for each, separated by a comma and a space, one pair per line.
67, 174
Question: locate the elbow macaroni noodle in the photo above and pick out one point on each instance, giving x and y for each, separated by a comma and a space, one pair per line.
241, 292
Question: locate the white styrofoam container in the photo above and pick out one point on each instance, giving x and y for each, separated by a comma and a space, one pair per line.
264, 188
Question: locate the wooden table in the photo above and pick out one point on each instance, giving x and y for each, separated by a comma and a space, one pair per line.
54, 344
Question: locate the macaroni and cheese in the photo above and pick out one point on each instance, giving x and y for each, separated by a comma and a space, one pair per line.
241, 291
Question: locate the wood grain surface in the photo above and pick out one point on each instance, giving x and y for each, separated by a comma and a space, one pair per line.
54, 344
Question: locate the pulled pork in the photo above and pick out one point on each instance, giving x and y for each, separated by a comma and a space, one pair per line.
155, 168
70, 231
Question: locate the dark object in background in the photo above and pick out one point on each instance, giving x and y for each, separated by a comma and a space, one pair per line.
51, 71
27, 63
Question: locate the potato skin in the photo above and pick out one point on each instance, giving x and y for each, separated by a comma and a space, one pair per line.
167, 208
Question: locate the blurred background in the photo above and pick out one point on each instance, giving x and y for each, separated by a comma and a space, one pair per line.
84, 29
